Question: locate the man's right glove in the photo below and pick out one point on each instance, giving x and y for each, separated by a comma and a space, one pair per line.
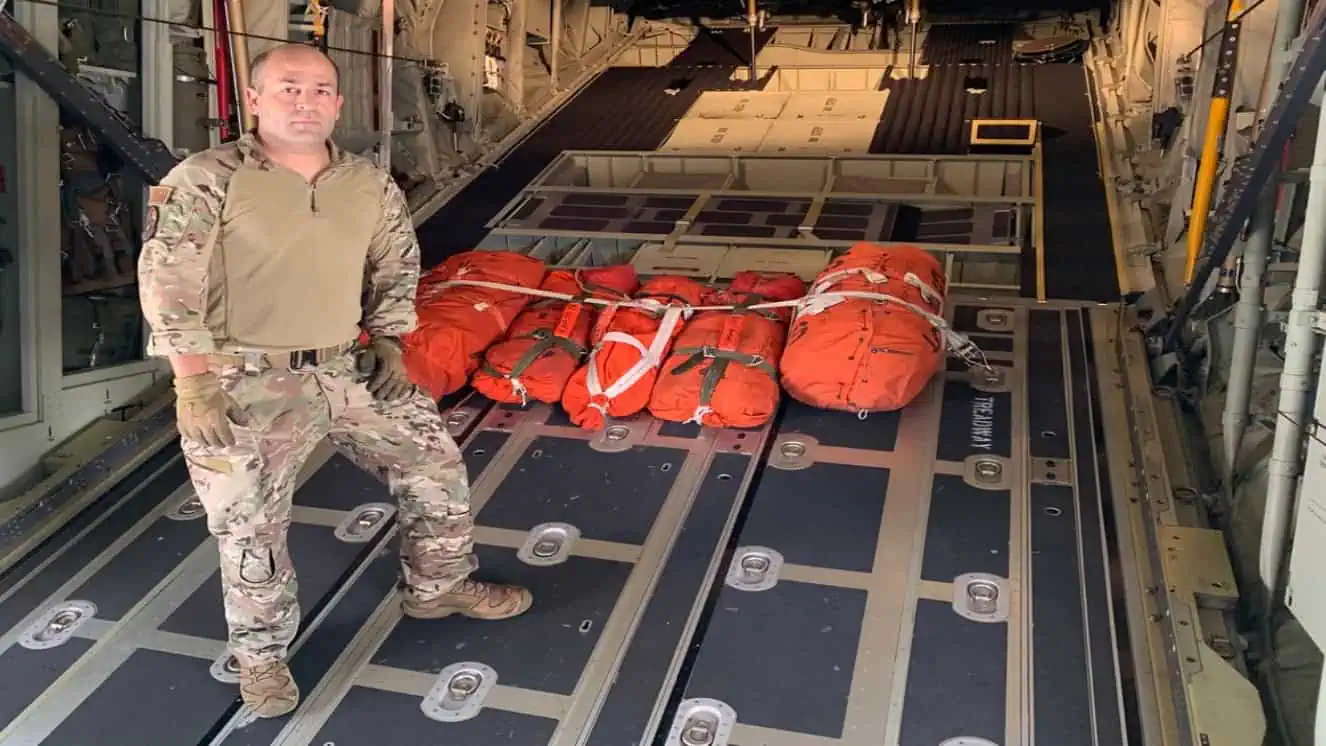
382, 363
200, 410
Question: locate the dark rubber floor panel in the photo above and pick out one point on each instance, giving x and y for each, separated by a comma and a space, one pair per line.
969, 44
1079, 256
933, 116
930, 115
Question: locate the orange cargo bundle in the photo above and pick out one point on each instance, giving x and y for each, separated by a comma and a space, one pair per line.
874, 352
619, 375
546, 342
458, 322
723, 368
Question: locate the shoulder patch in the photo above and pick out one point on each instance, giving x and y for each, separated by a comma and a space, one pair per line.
158, 195
150, 222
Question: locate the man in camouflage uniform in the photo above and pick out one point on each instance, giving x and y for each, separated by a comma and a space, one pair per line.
262, 261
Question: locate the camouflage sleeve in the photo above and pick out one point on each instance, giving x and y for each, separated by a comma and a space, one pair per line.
392, 273
178, 237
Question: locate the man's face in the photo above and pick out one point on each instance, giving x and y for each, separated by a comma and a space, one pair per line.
296, 101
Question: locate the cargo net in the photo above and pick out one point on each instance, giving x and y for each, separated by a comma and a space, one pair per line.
867, 335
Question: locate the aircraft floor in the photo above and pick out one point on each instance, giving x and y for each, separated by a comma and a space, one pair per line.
871, 530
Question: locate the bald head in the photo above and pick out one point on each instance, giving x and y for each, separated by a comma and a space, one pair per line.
312, 55
294, 93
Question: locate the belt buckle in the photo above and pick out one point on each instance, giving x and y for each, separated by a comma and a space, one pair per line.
303, 358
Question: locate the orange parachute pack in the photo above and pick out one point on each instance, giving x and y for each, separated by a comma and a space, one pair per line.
619, 375
874, 353
723, 368
458, 322
546, 342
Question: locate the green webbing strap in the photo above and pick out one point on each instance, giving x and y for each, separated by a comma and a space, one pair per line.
718, 368
721, 358
544, 341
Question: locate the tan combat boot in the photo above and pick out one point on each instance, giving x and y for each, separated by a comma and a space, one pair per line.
269, 689
473, 599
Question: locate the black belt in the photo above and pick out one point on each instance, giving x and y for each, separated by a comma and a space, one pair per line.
315, 357
255, 362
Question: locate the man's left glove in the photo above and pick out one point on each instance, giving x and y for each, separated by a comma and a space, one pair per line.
383, 363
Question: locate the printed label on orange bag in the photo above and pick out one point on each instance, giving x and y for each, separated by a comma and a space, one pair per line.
730, 336
566, 324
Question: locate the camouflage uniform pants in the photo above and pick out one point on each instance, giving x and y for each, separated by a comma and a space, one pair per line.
247, 489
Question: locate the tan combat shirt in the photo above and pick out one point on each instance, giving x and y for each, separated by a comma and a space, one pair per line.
240, 254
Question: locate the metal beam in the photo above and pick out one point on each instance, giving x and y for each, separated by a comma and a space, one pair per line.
148, 156
1252, 173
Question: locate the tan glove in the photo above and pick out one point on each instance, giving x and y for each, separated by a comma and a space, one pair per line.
383, 363
200, 410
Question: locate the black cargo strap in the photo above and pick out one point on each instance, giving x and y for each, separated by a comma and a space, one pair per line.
754, 299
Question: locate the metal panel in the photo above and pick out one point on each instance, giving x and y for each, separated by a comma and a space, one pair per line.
820, 77
818, 136
722, 135
866, 105
706, 262
990, 178
355, 129
974, 213
738, 105
1305, 595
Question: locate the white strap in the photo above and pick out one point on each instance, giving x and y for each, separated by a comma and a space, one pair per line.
650, 357
698, 415
818, 299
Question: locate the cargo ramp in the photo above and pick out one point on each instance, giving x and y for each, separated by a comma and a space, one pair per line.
998, 563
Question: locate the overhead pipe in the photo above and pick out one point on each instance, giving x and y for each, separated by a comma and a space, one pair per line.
1256, 254
221, 50
386, 70
239, 44
913, 20
752, 19
555, 43
1300, 349
1217, 120
1247, 332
